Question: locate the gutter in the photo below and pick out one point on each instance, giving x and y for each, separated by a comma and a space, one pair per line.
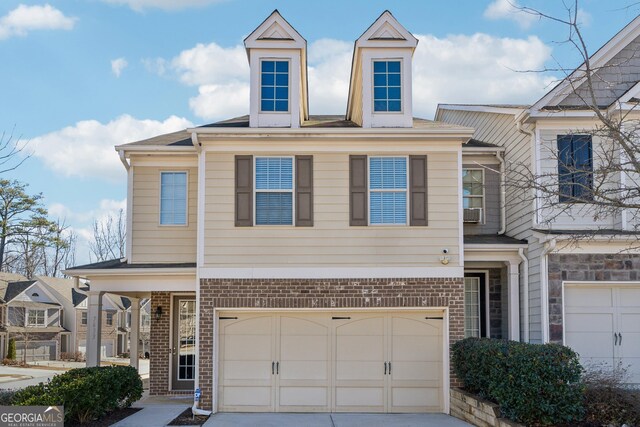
503, 207
549, 247
123, 159
525, 291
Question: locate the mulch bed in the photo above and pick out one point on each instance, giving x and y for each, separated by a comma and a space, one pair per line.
186, 418
109, 419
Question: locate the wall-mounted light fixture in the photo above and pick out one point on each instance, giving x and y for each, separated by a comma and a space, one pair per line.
158, 312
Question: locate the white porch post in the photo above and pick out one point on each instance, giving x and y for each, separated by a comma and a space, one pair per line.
514, 300
134, 336
94, 328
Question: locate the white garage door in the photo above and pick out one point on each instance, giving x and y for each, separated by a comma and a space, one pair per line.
106, 349
345, 362
36, 350
602, 324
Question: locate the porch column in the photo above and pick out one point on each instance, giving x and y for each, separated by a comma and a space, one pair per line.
94, 328
514, 300
134, 336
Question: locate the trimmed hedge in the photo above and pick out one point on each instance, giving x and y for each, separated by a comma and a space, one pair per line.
86, 393
533, 383
11, 350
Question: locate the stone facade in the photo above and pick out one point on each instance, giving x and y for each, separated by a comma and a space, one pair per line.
476, 411
320, 294
495, 303
584, 267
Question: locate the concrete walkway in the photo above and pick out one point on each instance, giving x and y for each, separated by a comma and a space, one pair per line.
333, 420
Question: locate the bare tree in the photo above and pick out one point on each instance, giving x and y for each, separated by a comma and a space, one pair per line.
60, 250
606, 181
12, 152
21, 328
109, 237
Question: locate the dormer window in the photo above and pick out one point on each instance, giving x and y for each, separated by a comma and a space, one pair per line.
274, 86
387, 86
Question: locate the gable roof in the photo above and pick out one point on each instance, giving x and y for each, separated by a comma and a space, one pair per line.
63, 287
16, 288
77, 297
599, 59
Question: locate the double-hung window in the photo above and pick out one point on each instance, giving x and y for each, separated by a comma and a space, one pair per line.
575, 168
472, 188
36, 318
110, 319
173, 198
388, 190
83, 318
274, 191
387, 86
274, 86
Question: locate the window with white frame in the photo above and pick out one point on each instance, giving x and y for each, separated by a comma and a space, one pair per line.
110, 319
274, 190
473, 188
274, 86
36, 317
387, 86
471, 307
83, 318
388, 190
173, 198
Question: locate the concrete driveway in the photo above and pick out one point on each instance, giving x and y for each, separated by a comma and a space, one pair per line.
333, 420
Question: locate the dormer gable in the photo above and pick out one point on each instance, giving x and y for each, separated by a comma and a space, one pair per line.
278, 66
380, 91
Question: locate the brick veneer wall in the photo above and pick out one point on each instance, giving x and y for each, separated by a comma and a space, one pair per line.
159, 345
589, 267
107, 332
326, 294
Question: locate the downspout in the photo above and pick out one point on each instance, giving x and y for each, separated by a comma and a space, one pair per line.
525, 291
503, 207
549, 247
519, 125
123, 159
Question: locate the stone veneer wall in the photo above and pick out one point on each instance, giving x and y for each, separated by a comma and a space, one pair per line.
325, 294
476, 411
584, 267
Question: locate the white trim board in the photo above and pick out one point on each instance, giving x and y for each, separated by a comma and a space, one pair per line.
329, 273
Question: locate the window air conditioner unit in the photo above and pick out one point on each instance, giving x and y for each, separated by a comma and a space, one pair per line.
473, 215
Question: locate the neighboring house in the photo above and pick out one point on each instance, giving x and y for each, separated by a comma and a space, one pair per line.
582, 292
5, 278
314, 263
34, 319
115, 333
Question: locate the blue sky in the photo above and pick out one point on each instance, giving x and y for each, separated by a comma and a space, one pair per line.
80, 76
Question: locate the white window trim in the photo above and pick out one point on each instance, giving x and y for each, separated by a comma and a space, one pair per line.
484, 196
46, 317
406, 219
106, 318
479, 305
186, 199
260, 111
487, 300
293, 192
373, 85
84, 313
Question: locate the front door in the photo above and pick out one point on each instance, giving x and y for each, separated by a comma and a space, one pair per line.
183, 350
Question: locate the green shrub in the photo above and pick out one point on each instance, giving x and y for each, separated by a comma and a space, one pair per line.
11, 350
6, 397
532, 383
86, 393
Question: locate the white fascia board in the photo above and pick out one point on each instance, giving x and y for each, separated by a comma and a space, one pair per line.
329, 273
480, 109
558, 114
158, 148
479, 247
457, 132
466, 150
131, 272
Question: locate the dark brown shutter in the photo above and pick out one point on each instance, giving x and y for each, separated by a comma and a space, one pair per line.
418, 190
358, 190
244, 191
304, 191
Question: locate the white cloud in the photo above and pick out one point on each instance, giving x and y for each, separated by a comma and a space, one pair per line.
139, 5
584, 18
477, 69
155, 65
225, 101
508, 9
329, 73
86, 149
23, 19
118, 65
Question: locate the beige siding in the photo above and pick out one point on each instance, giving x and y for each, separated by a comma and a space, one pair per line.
157, 243
331, 241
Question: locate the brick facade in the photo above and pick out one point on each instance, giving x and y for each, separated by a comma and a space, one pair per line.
321, 294
584, 267
160, 351
108, 332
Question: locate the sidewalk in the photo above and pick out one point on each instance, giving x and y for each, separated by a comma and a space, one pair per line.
157, 411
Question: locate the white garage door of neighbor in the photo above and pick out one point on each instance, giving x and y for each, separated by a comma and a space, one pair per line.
37, 350
602, 324
106, 349
322, 362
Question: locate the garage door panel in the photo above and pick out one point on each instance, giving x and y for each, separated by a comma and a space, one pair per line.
589, 322
260, 325
629, 326
299, 347
247, 347
305, 370
414, 347
247, 396
595, 297
417, 371
302, 396
357, 370
362, 326
361, 348
414, 398
247, 369
360, 398
629, 297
